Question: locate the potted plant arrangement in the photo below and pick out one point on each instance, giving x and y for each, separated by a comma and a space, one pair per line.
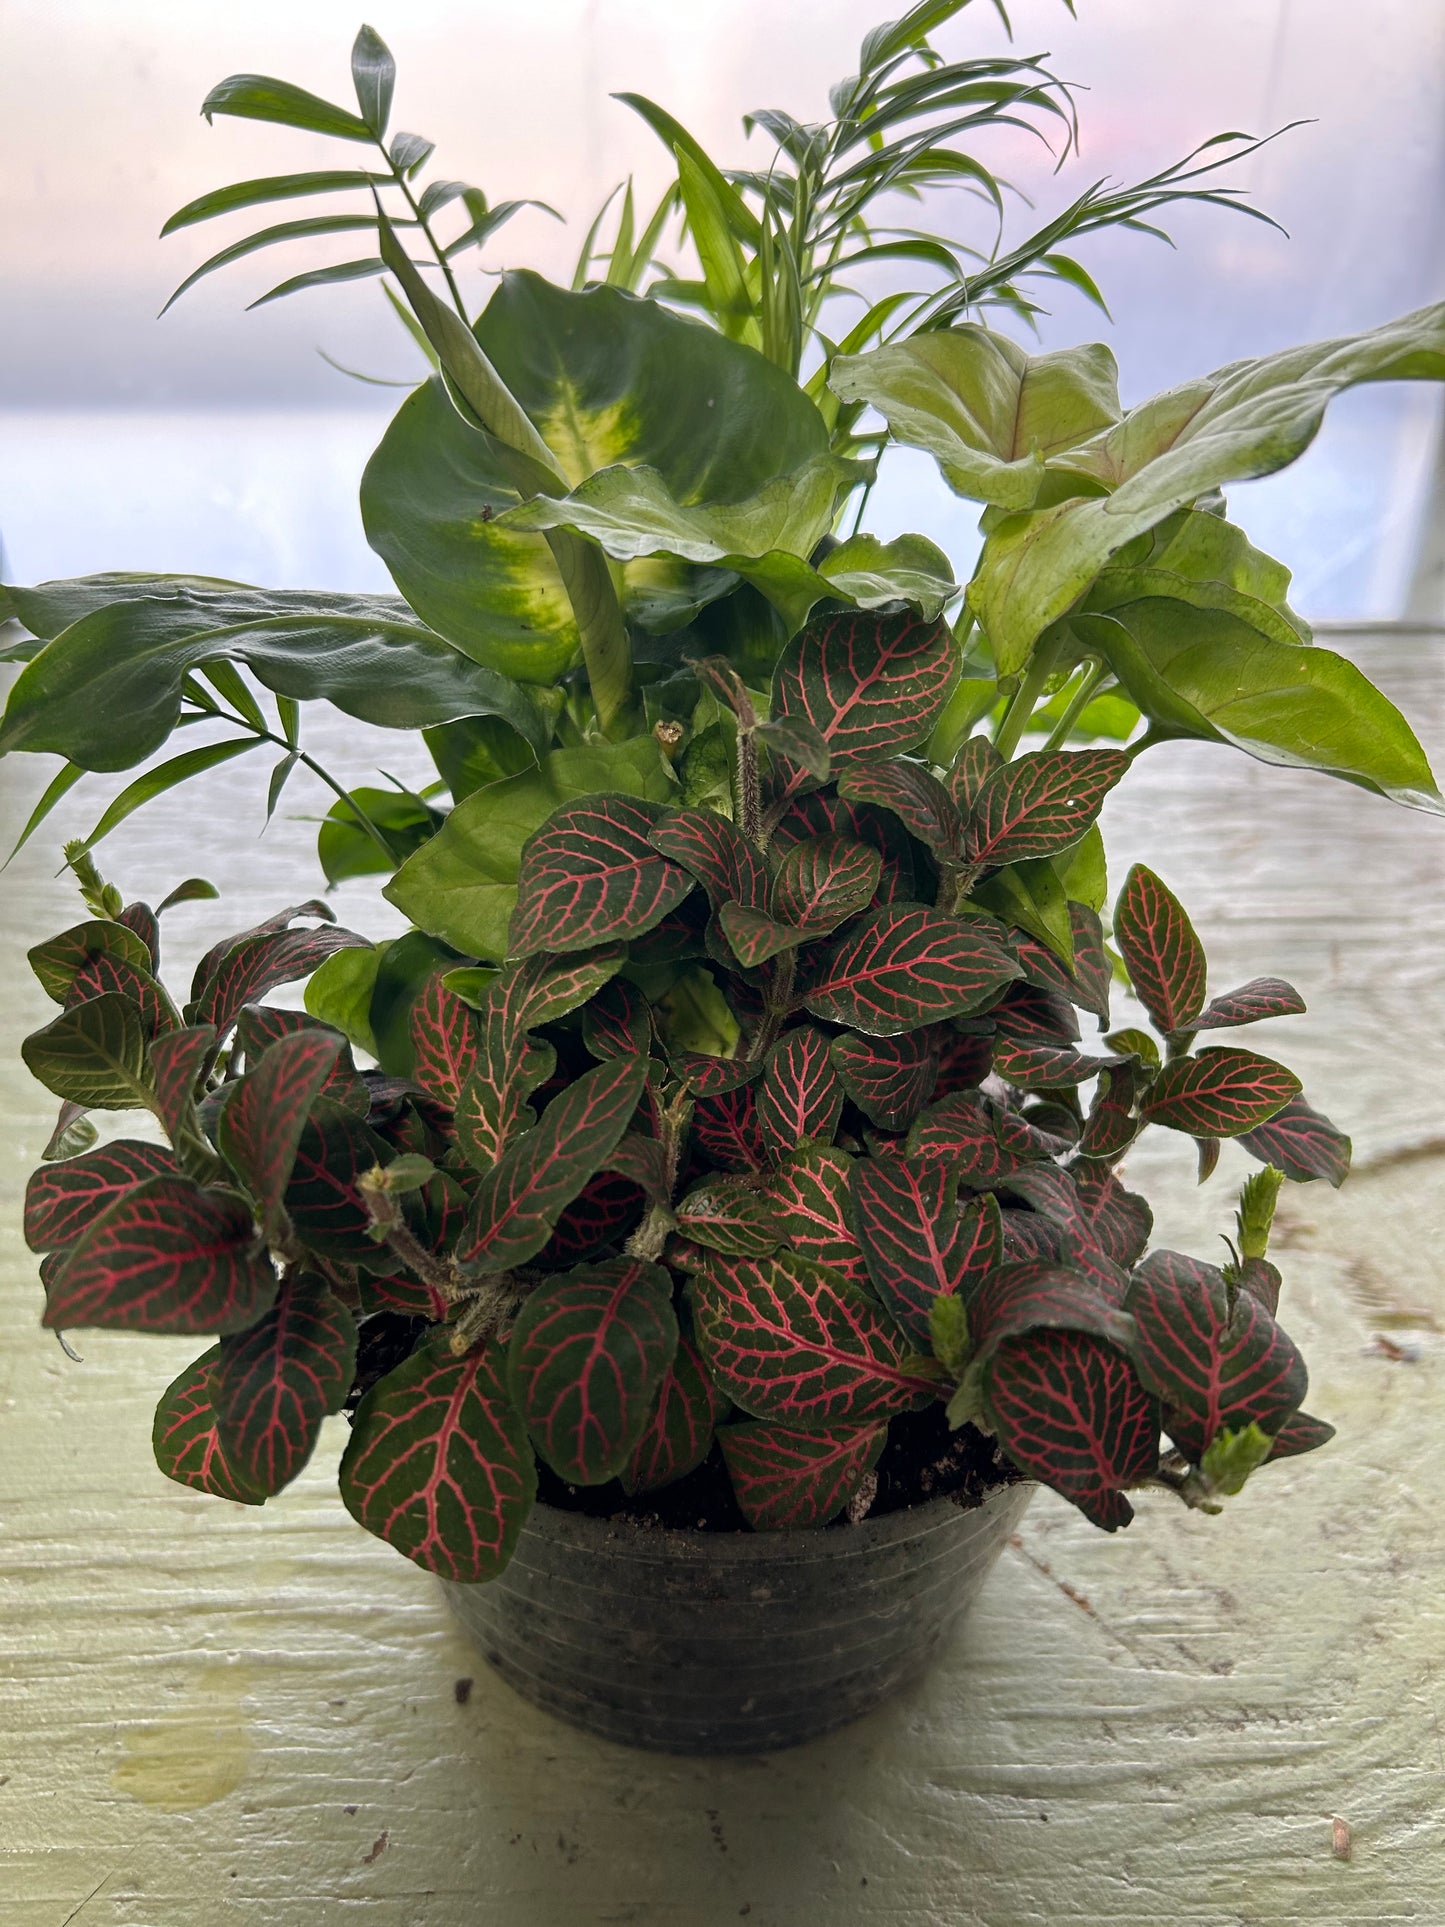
709, 1212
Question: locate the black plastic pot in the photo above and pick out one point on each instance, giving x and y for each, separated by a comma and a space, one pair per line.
699, 1642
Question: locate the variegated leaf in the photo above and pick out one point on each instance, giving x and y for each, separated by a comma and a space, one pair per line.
1221, 1092
1041, 803
445, 1039
186, 1437
812, 1196
1164, 957
890, 1079
915, 796
273, 1385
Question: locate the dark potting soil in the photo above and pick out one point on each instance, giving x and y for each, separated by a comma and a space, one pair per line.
922, 1459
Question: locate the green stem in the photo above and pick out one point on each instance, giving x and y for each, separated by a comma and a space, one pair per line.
1094, 674
425, 226
1026, 698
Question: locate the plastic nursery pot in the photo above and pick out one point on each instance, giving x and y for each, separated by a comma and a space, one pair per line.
710, 1642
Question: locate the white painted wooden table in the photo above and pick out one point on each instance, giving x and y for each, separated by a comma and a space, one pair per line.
205, 1707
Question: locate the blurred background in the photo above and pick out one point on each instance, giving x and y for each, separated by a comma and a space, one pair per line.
222, 443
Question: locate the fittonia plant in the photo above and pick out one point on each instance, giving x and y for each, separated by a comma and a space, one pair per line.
729, 1094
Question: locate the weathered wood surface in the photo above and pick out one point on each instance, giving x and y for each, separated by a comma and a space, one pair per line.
205, 1707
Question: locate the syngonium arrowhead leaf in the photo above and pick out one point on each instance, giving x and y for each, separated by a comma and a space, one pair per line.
1248, 419
1041, 803
919, 1245
786, 1342
903, 966
186, 1436
260, 1128
679, 1432
272, 1386
517, 1203
988, 411
439, 1464
585, 1362
1217, 1360
1164, 957
63, 1200
786, 1478
1221, 1092
168, 1256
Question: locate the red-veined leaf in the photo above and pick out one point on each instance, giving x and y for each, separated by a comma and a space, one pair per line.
712, 1076
1029, 1238
400, 1292
823, 880
919, 1246
1222, 1092
785, 1341
1163, 956
797, 742
1111, 1126
903, 966
753, 936
186, 1438
1044, 1067
964, 1128
261, 1126
1301, 1433
730, 1214
1032, 1014
809, 817
617, 1021
1034, 1296
146, 924
518, 1202
726, 1129
974, 764
602, 1214
1041, 803
95, 1055
260, 963
1069, 1410
1120, 1220
167, 1257
1055, 1196
679, 1431
273, 1385
261, 1025
1261, 997
106, 973
643, 1162
965, 1059
63, 1200
439, 1463
73, 1133
59, 960
1091, 980
590, 874
445, 1039
323, 1201
890, 1079
916, 798
177, 1062
711, 849
587, 1355
786, 1479
1215, 1365
811, 1194
206, 969
1259, 1276
800, 1096
1303, 1143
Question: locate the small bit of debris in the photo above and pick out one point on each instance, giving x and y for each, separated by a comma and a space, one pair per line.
1382, 1347
462, 1691
862, 1499
378, 1848
1341, 1839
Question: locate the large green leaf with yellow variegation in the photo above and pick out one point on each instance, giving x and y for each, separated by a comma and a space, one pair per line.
606, 378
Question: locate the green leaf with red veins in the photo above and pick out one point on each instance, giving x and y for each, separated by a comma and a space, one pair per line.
261, 1025
1034, 1015
964, 1128
1060, 1208
1216, 1365
95, 1055
587, 1356
869, 684
104, 973
261, 1126
273, 1385
257, 964
915, 796
146, 924
1034, 1296
822, 881
1301, 1433
1044, 1067
1259, 1276
785, 1341
1041, 803
446, 1037
177, 1061
718, 855
1120, 1220
439, 1464
903, 966
753, 936
598, 1220
1068, 1409
786, 1479
492, 1109
1261, 997
186, 1437
1163, 956
812, 1196
1111, 1126
679, 1431
800, 1096
726, 1129
617, 1022
710, 1076
58, 960
1221, 1092
975, 763
207, 968
728, 1214
964, 1060
518, 1202
890, 1079
809, 817
590, 875
166, 1257
323, 1202
1303, 1143
1091, 980
799, 743
62, 1201
919, 1246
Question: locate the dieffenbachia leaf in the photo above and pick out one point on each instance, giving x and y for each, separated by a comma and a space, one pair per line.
1164, 957
822, 881
1216, 1361
1248, 419
786, 1342
260, 1128
586, 1359
1068, 1409
272, 1386
591, 875
95, 1054
186, 1436
988, 411
711, 849
726, 1128
1222, 1092
1261, 997
517, 1203
1041, 803
811, 1195
439, 1463
786, 1478
919, 1245
916, 798
903, 966
890, 1079
168, 1256
679, 1431
729, 1214
1302, 1143
800, 1096
446, 1042
63, 1200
